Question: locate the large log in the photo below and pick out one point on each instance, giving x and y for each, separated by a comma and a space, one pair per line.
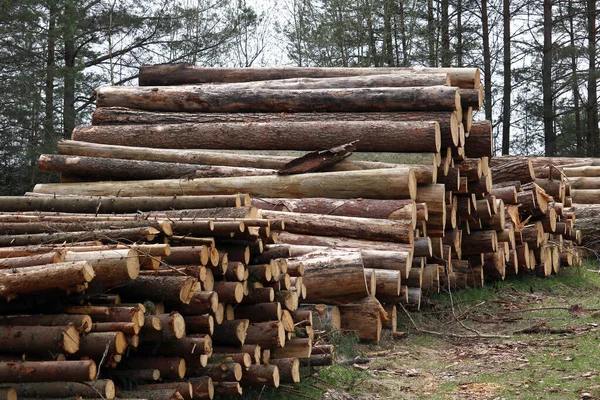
198, 99
343, 242
584, 182
96, 168
14, 282
32, 260
212, 157
170, 289
416, 137
520, 170
133, 234
393, 183
50, 226
47, 371
334, 277
363, 317
109, 265
449, 124
364, 208
39, 339
108, 205
182, 73
352, 227
81, 322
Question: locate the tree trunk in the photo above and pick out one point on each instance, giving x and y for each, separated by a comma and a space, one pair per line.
547, 83
261, 375
196, 99
95, 345
592, 84
431, 35
518, 170
334, 277
479, 143
228, 389
47, 371
446, 56
289, 369
178, 74
94, 169
268, 335
416, 137
15, 282
506, 104
487, 61
394, 183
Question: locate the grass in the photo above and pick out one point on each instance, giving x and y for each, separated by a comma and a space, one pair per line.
557, 361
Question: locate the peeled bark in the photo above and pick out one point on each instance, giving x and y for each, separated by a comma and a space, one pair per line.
384, 184
197, 99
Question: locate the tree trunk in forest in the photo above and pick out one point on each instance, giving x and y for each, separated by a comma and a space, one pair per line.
592, 108
446, 56
487, 61
431, 34
49, 134
575, 82
548, 101
507, 80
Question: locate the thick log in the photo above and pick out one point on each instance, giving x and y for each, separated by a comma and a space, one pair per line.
269, 335
189, 347
182, 73
261, 312
202, 387
222, 372
385, 184
376, 136
334, 277
521, 170
479, 242
26, 280
289, 369
81, 322
387, 282
352, 227
113, 313
261, 375
197, 99
95, 345
170, 289
363, 208
39, 339
109, 265
231, 333
184, 388
94, 168
228, 389
253, 350
363, 317
47, 371
585, 182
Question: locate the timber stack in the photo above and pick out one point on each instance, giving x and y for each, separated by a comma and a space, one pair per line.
211, 291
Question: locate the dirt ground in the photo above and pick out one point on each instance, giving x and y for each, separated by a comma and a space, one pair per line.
530, 338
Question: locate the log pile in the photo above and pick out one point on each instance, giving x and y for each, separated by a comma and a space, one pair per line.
186, 288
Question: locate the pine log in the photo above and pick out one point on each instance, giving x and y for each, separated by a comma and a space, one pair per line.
170, 289
518, 170
184, 388
253, 350
47, 371
26, 280
241, 358
364, 208
32, 260
81, 322
202, 387
39, 339
132, 234
156, 394
387, 282
342, 242
294, 348
182, 73
388, 183
197, 99
8, 393
352, 227
334, 277
289, 369
261, 312
109, 265
222, 372
113, 313
228, 389
479, 242
261, 375
232, 333
189, 347
363, 317
169, 367
269, 335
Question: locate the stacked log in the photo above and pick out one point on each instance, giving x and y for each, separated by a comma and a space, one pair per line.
231, 291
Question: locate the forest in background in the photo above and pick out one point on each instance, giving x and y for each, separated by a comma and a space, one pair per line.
539, 59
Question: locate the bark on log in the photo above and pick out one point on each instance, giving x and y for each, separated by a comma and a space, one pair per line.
95, 168
133, 234
32, 260
343, 242
197, 99
202, 387
108, 205
156, 394
294, 348
26, 280
184, 388
334, 277
109, 265
289, 369
222, 372
233, 158
363, 317
384, 184
170, 289
231, 333
47, 371
228, 389
189, 347
521, 170
182, 73
352, 227
376, 136
364, 208
169, 367
39, 339
269, 335
96, 344
82, 322
261, 312
261, 375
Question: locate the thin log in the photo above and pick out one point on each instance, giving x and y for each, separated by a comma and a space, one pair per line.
47, 371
